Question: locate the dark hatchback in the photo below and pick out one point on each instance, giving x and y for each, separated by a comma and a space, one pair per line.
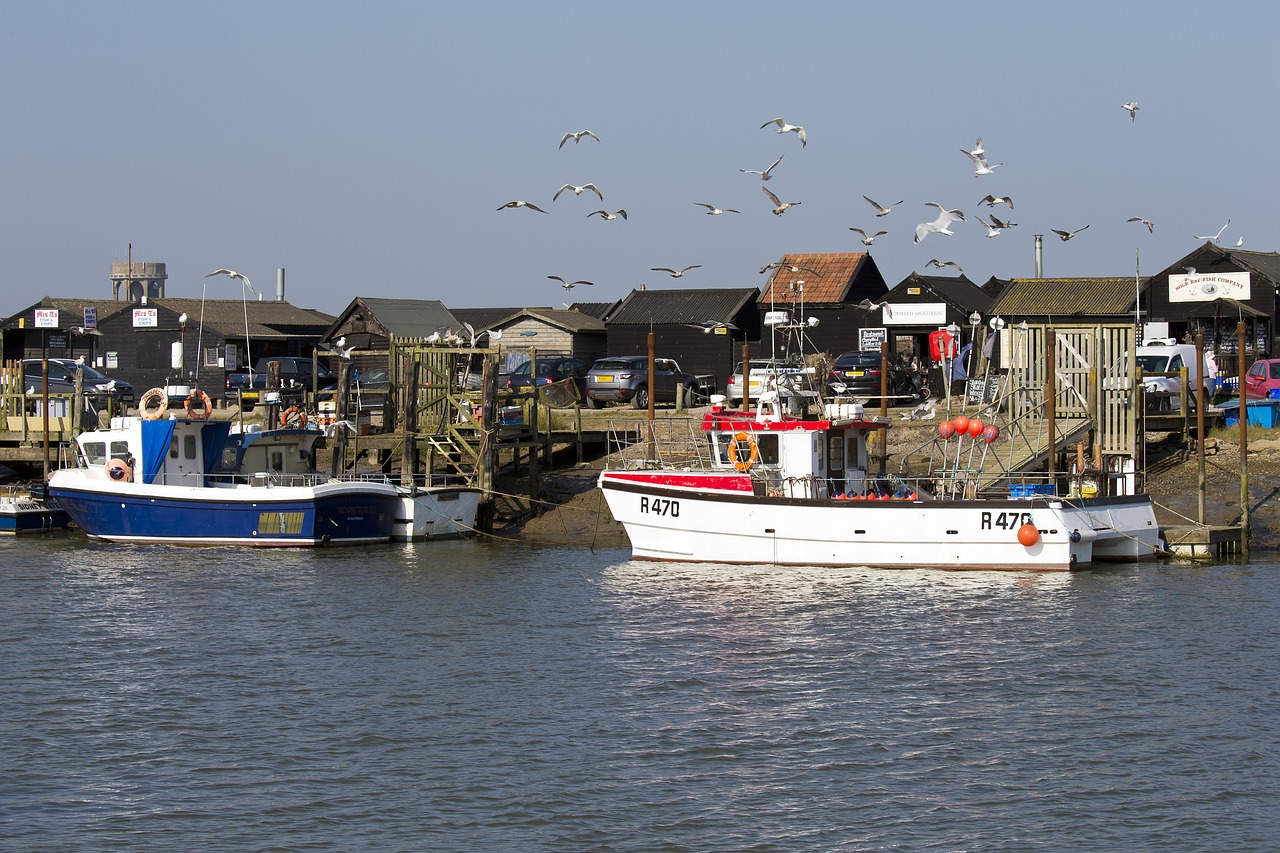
855, 373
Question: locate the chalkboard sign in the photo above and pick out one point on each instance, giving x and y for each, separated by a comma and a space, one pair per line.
872, 337
979, 391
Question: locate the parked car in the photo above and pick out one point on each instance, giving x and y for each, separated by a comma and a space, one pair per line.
1161, 361
549, 369
857, 374
763, 377
1263, 378
62, 380
625, 379
295, 377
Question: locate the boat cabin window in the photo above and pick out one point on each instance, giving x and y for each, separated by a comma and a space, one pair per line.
189, 446
95, 452
120, 450
837, 453
766, 444
276, 460
173, 447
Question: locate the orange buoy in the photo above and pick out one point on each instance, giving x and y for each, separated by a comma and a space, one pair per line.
976, 426
1028, 534
946, 429
961, 423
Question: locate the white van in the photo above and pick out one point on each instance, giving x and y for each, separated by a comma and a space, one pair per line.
1166, 355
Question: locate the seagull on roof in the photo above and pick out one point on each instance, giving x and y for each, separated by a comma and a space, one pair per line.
882, 210
569, 285
763, 173
992, 228
941, 224
1151, 229
604, 214
245, 280
783, 127
992, 200
934, 262
868, 239
1067, 235
712, 210
792, 268
1215, 237
1239, 242
868, 305
578, 190
577, 137
1132, 107
779, 206
674, 272
528, 204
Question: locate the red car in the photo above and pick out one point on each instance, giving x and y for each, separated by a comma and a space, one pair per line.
1263, 378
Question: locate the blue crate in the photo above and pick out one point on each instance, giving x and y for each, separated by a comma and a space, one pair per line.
1031, 490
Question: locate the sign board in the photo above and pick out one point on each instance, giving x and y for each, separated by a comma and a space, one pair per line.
872, 337
90, 317
231, 360
915, 314
113, 360
146, 318
720, 330
1206, 287
46, 318
979, 391
58, 341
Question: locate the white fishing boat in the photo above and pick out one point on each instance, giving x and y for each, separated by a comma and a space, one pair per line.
766, 487
436, 512
30, 510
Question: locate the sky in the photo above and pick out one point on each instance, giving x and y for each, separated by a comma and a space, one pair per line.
365, 148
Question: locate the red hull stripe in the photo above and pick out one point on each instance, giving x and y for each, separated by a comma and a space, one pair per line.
683, 480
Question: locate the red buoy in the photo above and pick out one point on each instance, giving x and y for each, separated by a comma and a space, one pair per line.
975, 427
990, 433
1028, 534
962, 424
946, 429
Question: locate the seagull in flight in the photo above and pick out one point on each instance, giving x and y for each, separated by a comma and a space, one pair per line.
783, 127
710, 326
515, 204
604, 214
569, 285
243, 278
980, 164
1132, 107
763, 173
779, 206
992, 228
791, 268
1151, 229
712, 210
868, 305
992, 200
941, 225
676, 273
1001, 224
577, 137
868, 239
882, 210
1215, 237
578, 190
1067, 235
934, 262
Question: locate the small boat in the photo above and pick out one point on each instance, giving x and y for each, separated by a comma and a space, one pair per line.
30, 510
436, 512
785, 489
192, 481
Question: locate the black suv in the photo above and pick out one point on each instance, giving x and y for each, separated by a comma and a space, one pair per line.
857, 374
62, 380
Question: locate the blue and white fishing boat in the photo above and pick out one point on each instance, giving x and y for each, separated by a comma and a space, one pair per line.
192, 481
30, 510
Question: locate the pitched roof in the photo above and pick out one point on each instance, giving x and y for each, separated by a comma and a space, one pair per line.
482, 319
958, 291
721, 305
829, 283
571, 321
1066, 297
398, 318
226, 316
596, 309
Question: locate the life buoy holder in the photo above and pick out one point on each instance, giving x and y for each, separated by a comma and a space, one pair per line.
119, 470
293, 413
152, 396
753, 456
206, 405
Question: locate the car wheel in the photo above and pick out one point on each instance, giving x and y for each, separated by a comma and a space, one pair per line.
641, 399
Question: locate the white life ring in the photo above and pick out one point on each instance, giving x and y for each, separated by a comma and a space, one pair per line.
152, 396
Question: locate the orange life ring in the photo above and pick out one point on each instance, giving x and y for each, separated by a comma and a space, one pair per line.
206, 405
119, 470
295, 413
752, 458
153, 395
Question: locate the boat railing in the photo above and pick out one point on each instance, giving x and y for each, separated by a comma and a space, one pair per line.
669, 443
273, 479
873, 487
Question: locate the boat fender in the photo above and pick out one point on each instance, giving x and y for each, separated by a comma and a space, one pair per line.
753, 456
119, 470
204, 409
154, 395
1074, 536
293, 417
1028, 534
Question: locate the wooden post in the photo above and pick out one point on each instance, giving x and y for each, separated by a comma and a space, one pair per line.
338, 455
1051, 399
884, 405
652, 375
44, 394
1200, 401
1244, 444
535, 442
408, 429
488, 443
746, 376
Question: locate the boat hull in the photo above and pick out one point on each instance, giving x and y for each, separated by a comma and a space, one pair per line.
338, 513
27, 515
722, 525
437, 512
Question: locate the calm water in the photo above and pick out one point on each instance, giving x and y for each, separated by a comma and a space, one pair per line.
475, 696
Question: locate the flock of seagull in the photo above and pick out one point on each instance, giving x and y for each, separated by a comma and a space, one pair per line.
942, 222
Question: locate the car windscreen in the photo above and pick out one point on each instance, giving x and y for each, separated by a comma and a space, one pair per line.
607, 364
1153, 363
858, 359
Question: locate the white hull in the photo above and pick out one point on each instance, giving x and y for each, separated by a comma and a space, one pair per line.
436, 512
700, 524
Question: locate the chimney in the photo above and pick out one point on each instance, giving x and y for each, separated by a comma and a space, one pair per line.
280, 284
1039, 256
